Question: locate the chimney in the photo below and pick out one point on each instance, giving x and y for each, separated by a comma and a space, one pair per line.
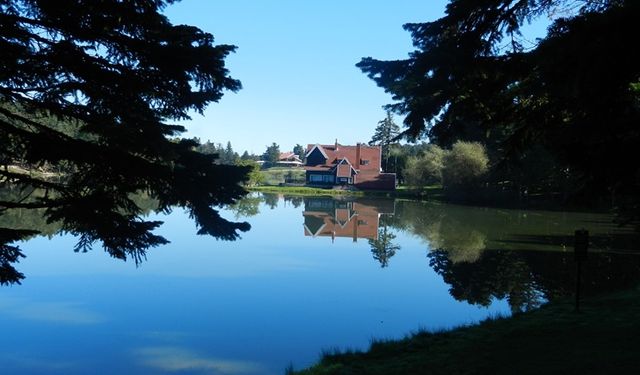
358, 146
336, 147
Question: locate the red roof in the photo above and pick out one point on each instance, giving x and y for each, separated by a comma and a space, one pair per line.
344, 168
360, 163
361, 156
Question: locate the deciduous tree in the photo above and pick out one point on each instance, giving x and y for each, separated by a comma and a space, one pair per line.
464, 166
426, 168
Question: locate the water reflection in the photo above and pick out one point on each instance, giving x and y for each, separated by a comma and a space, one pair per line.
279, 295
122, 239
485, 254
383, 247
176, 359
110, 215
351, 218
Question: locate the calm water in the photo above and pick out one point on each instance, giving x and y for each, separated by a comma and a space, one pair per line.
312, 274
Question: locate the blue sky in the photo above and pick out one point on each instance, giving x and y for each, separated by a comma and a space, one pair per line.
296, 60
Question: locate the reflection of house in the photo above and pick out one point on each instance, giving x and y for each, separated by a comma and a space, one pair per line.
358, 165
289, 159
326, 217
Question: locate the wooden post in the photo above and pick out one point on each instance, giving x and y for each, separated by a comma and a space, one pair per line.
581, 244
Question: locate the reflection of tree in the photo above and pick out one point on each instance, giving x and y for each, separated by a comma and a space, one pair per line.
33, 219
20, 224
527, 278
296, 201
10, 255
383, 248
494, 275
246, 207
271, 200
462, 243
444, 228
484, 254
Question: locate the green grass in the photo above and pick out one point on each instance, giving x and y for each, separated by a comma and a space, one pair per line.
430, 192
279, 175
602, 339
303, 190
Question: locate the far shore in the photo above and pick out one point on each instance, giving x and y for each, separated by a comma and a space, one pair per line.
478, 197
430, 192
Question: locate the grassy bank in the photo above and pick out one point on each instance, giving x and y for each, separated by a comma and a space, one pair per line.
601, 339
433, 192
303, 190
483, 198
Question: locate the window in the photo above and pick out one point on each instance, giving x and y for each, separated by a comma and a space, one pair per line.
326, 178
364, 162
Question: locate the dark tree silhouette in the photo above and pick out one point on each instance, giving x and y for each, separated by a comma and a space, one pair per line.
576, 92
93, 86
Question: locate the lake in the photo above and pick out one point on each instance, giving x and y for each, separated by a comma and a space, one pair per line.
312, 274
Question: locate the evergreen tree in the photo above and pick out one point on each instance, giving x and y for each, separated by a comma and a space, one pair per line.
385, 135
207, 148
272, 154
229, 156
299, 150
474, 77
120, 72
246, 156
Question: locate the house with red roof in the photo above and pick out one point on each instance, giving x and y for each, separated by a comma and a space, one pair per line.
288, 159
359, 166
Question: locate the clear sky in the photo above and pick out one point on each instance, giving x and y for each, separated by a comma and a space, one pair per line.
296, 61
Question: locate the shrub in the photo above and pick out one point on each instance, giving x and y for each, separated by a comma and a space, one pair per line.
464, 166
425, 169
255, 176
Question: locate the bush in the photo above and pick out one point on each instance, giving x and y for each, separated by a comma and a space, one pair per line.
255, 176
464, 166
425, 169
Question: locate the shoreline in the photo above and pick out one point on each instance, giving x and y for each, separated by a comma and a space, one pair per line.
553, 339
434, 193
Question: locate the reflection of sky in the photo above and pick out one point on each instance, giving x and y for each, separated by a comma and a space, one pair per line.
199, 305
170, 359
